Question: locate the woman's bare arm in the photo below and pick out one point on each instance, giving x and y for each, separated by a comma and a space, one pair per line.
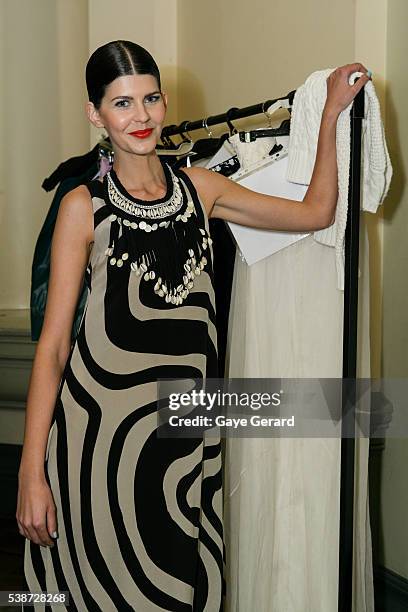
71, 242
69, 256
225, 199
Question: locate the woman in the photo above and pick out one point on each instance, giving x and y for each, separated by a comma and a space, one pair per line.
113, 511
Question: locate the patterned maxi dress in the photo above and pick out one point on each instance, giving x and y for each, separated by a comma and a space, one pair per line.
139, 515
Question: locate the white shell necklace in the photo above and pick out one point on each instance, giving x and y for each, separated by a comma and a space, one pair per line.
170, 248
154, 211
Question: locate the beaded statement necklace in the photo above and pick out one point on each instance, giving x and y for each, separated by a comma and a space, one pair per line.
161, 241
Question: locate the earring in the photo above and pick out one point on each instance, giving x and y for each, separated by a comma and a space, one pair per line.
106, 157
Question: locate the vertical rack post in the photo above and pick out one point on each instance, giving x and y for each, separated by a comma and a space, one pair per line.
345, 586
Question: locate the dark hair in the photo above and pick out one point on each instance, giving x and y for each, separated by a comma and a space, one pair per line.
115, 59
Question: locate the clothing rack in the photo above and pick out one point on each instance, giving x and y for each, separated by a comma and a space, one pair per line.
346, 528
232, 113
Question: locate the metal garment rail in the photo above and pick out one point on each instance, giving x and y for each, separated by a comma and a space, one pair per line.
232, 113
346, 528
345, 592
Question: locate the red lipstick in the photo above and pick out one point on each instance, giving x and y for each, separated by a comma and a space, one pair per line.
141, 133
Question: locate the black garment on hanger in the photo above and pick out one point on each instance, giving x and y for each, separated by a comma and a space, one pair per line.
224, 259
203, 148
73, 167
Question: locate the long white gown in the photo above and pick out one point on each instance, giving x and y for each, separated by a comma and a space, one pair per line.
282, 495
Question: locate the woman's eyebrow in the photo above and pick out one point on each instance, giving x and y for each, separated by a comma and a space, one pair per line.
131, 97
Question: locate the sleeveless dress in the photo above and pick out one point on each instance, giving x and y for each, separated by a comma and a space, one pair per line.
139, 516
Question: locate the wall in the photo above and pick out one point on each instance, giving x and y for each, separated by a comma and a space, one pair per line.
240, 53
150, 24
30, 136
394, 483
42, 96
2, 106
72, 48
371, 50
42, 123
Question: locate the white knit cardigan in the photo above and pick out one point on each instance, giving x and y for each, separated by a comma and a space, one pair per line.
307, 111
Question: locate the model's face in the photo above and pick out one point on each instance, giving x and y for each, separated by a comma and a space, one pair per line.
132, 111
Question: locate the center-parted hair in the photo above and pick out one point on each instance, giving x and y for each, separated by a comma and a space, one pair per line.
115, 59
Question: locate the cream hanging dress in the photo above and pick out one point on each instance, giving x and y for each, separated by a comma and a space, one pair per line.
282, 495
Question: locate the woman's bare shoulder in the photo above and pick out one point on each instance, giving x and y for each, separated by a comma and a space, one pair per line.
76, 211
205, 183
79, 196
195, 173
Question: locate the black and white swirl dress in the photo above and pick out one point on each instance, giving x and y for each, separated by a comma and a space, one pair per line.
139, 516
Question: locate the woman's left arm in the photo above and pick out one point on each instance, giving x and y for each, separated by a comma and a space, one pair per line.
225, 199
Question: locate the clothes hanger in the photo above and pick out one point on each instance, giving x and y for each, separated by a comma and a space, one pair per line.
182, 148
282, 130
207, 147
281, 103
269, 132
167, 141
202, 148
231, 165
277, 150
233, 130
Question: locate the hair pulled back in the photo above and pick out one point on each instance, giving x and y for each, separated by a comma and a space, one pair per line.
115, 59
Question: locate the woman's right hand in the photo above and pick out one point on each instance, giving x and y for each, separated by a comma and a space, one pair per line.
36, 511
339, 91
